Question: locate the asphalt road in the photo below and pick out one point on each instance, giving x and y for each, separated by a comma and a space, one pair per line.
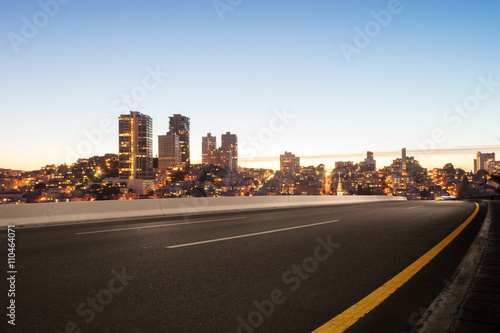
266, 271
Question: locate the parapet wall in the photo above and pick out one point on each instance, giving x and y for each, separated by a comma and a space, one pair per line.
62, 212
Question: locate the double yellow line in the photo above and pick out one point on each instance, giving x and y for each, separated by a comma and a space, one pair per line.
350, 316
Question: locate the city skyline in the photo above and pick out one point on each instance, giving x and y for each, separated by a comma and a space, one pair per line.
394, 86
134, 173
178, 134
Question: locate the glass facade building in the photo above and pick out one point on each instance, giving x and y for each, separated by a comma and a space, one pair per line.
135, 146
179, 125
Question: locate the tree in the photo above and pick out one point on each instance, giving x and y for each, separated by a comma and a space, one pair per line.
482, 175
178, 176
495, 178
449, 169
93, 176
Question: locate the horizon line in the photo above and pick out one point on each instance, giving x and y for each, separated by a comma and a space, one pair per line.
390, 153
451, 150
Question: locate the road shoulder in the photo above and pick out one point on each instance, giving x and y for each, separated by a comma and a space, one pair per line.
471, 301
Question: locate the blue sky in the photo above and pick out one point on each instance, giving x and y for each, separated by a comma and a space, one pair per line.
234, 74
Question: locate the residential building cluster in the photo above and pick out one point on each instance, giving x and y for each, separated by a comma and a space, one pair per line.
135, 172
76, 182
404, 177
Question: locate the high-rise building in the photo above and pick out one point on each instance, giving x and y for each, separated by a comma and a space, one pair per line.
135, 146
482, 161
403, 161
229, 151
289, 164
208, 146
370, 163
179, 125
169, 151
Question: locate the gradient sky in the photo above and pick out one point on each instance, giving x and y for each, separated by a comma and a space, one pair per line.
233, 74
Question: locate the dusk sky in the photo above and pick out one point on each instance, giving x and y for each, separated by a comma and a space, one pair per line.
403, 78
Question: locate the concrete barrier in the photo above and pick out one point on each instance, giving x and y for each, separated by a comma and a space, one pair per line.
45, 213
42, 213
193, 206
300, 201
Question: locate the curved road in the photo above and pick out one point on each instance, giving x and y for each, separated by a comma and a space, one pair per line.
287, 270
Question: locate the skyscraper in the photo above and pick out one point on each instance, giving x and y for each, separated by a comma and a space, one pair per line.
208, 146
169, 152
229, 151
135, 146
179, 125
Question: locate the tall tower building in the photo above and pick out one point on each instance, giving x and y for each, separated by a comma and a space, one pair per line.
208, 146
135, 146
229, 151
179, 125
289, 164
403, 160
169, 151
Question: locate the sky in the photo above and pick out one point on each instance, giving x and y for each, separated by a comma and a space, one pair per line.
326, 80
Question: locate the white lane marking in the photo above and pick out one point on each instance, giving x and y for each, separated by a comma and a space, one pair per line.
158, 226
248, 235
415, 207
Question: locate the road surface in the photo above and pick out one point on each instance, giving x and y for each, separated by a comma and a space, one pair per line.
289, 270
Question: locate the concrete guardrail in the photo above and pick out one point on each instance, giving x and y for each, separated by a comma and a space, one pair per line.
62, 212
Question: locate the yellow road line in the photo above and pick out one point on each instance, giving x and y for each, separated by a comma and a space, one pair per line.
350, 316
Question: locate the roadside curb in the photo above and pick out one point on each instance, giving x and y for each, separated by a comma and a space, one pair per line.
480, 310
446, 307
